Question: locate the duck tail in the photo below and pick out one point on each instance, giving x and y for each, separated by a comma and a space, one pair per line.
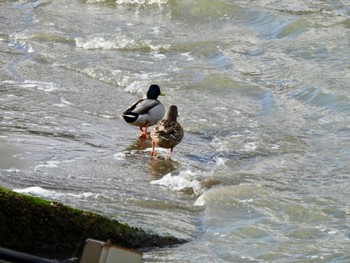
130, 117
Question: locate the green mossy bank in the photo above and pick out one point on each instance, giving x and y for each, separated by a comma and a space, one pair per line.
32, 224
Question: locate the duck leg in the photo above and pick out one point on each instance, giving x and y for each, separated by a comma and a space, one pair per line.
144, 132
153, 153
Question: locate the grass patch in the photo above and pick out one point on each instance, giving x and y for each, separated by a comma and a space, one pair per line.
30, 223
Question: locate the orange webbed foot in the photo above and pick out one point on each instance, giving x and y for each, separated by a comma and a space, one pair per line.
153, 153
143, 133
143, 136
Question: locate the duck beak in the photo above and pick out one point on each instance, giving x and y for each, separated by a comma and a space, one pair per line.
161, 94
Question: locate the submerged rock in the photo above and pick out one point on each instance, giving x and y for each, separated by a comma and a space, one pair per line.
33, 224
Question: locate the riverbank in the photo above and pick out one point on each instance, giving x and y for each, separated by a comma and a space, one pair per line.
37, 226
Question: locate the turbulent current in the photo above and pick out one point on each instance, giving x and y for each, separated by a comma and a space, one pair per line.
262, 90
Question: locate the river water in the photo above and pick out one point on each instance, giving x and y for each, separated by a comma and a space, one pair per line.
262, 87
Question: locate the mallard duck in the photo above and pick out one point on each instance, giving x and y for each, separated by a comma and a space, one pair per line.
146, 112
168, 132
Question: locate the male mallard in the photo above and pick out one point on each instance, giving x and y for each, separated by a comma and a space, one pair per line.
168, 132
145, 112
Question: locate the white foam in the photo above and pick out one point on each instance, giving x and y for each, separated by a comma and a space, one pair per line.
85, 195
158, 47
48, 164
141, 2
43, 86
38, 191
332, 232
183, 182
200, 201
119, 156
188, 56
68, 161
99, 42
60, 105
50, 194
220, 161
95, 1
250, 146
30, 49
230, 194
106, 116
13, 170
159, 56
64, 101
136, 87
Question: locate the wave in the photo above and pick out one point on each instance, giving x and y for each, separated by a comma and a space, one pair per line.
118, 42
128, 2
184, 182
141, 2
329, 102
38, 191
52, 194
32, 84
243, 193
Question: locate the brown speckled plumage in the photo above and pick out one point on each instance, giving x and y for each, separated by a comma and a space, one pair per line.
168, 132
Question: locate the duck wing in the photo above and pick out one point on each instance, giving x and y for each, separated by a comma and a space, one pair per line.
163, 131
142, 106
167, 128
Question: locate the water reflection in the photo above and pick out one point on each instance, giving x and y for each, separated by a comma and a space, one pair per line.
140, 145
160, 166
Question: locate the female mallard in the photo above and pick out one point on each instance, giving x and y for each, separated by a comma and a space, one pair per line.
145, 112
168, 132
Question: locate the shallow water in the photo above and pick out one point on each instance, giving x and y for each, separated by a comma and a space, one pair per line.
262, 174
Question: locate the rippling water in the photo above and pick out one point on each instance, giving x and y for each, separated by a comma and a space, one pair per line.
262, 88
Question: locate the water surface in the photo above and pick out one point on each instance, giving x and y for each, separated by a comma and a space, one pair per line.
262, 88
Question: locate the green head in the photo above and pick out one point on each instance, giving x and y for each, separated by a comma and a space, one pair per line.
153, 92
